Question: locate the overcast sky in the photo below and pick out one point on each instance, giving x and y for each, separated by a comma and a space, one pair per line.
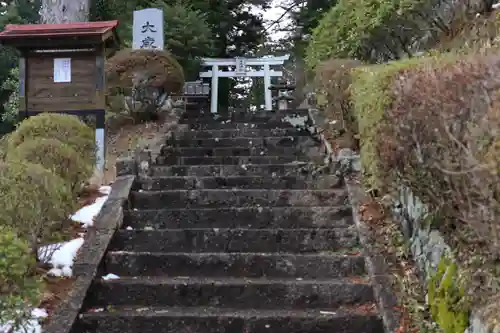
272, 15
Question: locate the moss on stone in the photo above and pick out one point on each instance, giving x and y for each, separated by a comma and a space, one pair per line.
446, 298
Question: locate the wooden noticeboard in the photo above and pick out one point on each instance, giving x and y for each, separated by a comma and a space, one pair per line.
61, 69
62, 65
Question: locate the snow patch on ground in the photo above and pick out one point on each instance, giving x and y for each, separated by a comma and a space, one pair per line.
62, 255
32, 325
110, 276
62, 259
87, 214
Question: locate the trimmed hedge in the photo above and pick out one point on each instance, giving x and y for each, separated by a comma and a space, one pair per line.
57, 157
65, 128
445, 116
18, 285
4, 145
433, 125
35, 202
371, 97
417, 116
41, 164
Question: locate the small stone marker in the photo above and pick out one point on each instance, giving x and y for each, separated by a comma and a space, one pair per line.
147, 30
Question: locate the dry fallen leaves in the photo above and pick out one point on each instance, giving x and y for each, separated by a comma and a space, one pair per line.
371, 212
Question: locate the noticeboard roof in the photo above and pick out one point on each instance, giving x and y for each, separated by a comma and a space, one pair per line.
16, 31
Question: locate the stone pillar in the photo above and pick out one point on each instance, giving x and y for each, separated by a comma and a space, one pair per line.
283, 101
215, 89
143, 161
283, 97
267, 88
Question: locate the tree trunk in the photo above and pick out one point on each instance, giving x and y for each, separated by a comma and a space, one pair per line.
64, 11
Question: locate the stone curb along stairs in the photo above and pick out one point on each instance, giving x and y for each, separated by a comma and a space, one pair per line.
233, 228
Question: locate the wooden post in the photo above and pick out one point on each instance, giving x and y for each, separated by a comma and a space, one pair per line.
22, 87
100, 128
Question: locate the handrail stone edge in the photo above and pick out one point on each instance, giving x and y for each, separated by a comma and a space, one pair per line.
375, 264
92, 252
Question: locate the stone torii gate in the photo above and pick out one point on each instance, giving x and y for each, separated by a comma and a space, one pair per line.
241, 71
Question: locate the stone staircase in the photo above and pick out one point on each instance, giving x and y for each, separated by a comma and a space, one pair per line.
231, 233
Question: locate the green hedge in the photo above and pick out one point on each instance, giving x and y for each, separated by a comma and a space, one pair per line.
57, 157
65, 128
369, 30
18, 284
38, 178
432, 124
371, 98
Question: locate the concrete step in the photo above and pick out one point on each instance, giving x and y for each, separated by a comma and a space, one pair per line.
235, 240
239, 293
168, 151
273, 170
275, 119
246, 114
243, 132
228, 160
356, 319
217, 125
263, 142
215, 198
249, 182
252, 265
244, 117
248, 217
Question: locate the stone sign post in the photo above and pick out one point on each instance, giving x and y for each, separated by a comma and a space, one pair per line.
147, 31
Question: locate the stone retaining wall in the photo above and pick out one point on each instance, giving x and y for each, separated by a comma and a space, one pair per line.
428, 247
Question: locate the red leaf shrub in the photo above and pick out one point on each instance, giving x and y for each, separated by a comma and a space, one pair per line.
159, 68
139, 82
441, 137
333, 82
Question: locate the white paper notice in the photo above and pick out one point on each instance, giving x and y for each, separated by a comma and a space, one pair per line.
62, 70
